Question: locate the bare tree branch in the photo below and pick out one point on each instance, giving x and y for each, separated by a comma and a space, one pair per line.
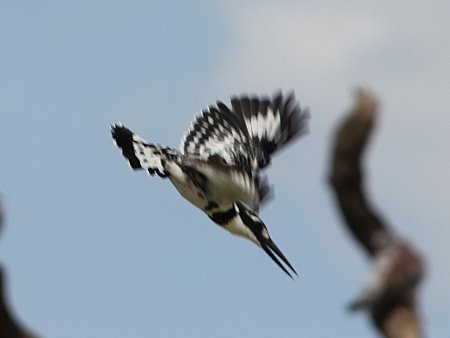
390, 294
9, 328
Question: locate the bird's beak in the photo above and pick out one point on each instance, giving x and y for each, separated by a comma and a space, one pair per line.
273, 251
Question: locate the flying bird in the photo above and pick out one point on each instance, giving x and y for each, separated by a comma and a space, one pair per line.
218, 166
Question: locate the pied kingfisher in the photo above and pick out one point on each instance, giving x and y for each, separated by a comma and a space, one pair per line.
218, 167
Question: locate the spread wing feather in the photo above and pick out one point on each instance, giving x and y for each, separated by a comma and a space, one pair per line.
141, 154
246, 135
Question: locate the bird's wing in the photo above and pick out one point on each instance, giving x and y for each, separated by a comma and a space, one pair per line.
141, 154
217, 136
247, 134
270, 123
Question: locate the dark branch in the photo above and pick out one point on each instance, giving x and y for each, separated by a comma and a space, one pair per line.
397, 269
9, 328
346, 173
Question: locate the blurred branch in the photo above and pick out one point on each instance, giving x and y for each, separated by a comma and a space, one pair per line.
397, 269
9, 328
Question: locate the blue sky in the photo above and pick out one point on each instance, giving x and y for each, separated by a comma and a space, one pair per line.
93, 249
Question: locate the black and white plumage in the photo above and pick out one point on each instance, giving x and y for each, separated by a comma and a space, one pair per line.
218, 167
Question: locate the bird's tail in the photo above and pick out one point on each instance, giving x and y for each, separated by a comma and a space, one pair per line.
141, 154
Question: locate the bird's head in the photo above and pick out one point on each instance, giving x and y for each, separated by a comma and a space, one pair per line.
258, 229
258, 234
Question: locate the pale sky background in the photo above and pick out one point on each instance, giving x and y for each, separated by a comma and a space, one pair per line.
92, 249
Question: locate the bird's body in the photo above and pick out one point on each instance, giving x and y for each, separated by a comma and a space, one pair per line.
218, 167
